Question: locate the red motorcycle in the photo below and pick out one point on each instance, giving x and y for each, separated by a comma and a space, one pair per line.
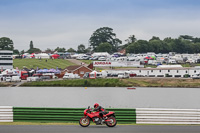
108, 118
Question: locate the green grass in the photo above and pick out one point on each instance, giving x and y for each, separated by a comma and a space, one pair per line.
80, 83
34, 63
137, 82
5, 84
37, 123
87, 61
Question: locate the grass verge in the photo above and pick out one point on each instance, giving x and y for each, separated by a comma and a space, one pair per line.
80, 83
137, 82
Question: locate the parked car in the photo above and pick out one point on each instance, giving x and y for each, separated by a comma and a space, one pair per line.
86, 75
198, 60
85, 57
1, 77
196, 76
94, 58
8, 79
172, 61
29, 79
102, 58
190, 61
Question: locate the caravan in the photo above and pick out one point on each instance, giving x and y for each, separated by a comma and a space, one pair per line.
95, 74
71, 76
125, 74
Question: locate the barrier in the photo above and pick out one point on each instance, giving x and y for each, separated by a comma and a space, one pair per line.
167, 116
138, 116
65, 114
6, 114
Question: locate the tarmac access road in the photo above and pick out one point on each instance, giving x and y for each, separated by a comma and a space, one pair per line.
99, 129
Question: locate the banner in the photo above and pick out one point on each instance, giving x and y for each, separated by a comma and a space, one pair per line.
117, 64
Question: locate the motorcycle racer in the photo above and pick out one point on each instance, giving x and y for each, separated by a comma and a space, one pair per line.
99, 109
89, 116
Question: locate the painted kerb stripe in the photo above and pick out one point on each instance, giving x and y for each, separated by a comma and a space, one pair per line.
167, 116
6, 114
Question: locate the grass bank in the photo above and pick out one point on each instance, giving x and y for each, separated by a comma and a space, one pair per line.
43, 63
80, 83
137, 82
5, 84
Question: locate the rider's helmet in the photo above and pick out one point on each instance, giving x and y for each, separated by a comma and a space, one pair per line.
96, 105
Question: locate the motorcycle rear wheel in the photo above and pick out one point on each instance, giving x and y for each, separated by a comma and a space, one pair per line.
84, 122
112, 122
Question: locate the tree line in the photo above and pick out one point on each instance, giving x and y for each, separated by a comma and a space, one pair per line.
105, 40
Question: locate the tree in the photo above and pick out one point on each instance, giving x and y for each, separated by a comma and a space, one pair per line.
31, 45
88, 50
22, 52
60, 49
6, 43
32, 49
71, 50
155, 45
104, 47
131, 39
141, 46
103, 35
48, 50
154, 38
186, 37
16, 52
81, 48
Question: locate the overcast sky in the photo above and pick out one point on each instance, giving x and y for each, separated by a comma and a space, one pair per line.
69, 23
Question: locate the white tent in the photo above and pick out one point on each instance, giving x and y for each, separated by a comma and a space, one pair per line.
106, 54
42, 56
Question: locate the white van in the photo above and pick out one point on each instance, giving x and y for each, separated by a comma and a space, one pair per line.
69, 76
15, 79
172, 61
196, 76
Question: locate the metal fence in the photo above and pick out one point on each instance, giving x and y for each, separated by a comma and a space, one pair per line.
135, 116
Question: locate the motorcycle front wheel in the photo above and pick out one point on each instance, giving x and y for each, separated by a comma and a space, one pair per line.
84, 122
112, 121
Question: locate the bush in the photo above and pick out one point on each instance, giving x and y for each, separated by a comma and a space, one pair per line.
186, 76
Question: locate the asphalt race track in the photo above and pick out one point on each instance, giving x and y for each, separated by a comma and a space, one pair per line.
99, 129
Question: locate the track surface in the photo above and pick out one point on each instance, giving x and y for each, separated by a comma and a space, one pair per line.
98, 129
